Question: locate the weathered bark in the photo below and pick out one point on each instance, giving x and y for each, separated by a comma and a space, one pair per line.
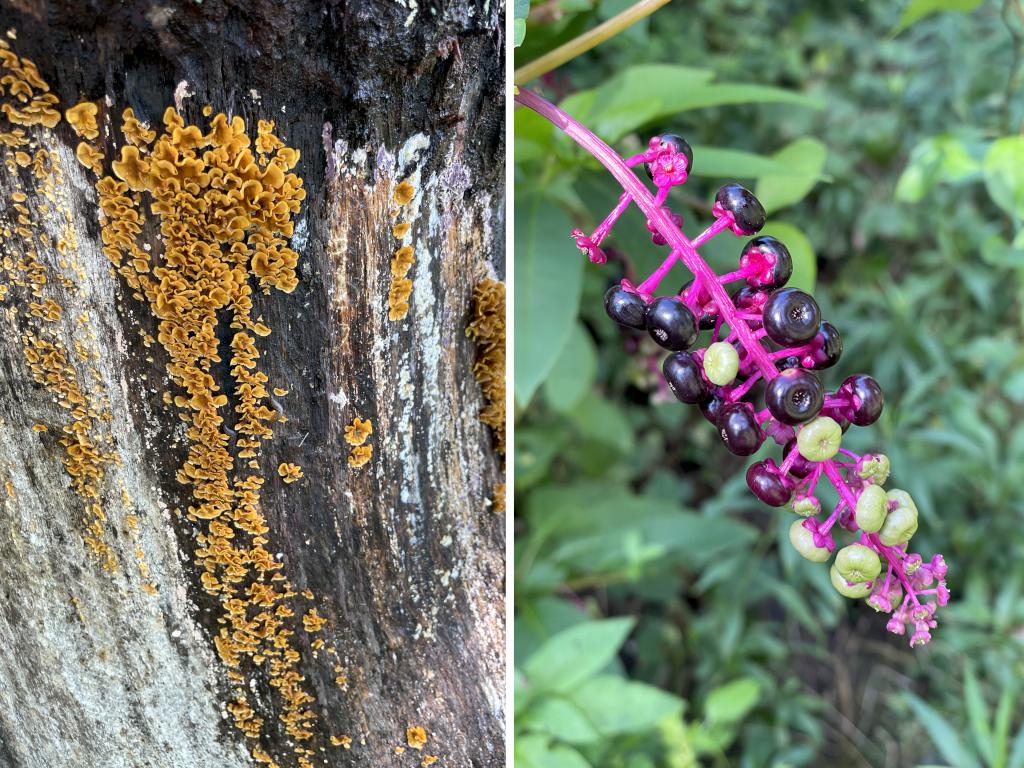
109, 659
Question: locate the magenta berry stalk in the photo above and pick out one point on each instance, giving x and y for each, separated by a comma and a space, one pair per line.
800, 414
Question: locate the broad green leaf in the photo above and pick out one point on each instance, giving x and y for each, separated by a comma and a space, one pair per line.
617, 706
736, 164
1004, 174
1017, 754
562, 719
549, 278
938, 159
805, 263
573, 375
537, 751
918, 9
977, 714
804, 159
942, 733
522, 10
577, 653
597, 418
730, 703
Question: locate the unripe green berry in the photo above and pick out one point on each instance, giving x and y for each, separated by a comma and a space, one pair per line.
854, 591
803, 542
872, 507
901, 523
806, 506
818, 440
875, 469
858, 563
721, 363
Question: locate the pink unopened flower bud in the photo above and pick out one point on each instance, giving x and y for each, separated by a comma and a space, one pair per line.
939, 567
911, 563
896, 625
920, 637
941, 593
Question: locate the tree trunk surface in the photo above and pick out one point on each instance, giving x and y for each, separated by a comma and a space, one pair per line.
166, 597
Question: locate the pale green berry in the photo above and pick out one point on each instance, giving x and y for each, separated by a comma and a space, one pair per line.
806, 506
901, 523
848, 590
874, 468
872, 507
818, 440
803, 542
721, 363
858, 563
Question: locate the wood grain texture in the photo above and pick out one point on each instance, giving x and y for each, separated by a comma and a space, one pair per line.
403, 556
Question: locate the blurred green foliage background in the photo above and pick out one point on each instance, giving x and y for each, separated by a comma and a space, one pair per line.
662, 619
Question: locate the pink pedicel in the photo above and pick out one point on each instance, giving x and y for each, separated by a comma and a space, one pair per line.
908, 588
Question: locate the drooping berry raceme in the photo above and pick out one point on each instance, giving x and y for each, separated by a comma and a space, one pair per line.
771, 333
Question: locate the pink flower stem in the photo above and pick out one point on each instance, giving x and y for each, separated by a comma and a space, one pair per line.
650, 285
739, 274
721, 223
788, 461
743, 388
606, 226
659, 218
896, 565
836, 402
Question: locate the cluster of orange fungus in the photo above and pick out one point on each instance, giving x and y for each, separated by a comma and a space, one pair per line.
25, 98
402, 259
27, 109
224, 206
82, 119
356, 435
487, 329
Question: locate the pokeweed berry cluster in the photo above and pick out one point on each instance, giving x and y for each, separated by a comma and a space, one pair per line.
766, 339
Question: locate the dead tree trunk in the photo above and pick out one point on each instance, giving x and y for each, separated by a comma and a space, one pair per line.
206, 558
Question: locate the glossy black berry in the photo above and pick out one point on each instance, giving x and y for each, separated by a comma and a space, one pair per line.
792, 361
794, 396
671, 323
709, 316
625, 308
791, 317
764, 480
739, 429
750, 299
678, 144
683, 376
747, 211
772, 260
711, 407
801, 467
827, 347
867, 399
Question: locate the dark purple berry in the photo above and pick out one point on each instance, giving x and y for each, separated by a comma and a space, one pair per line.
684, 378
677, 144
826, 347
671, 323
750, 299
739, 429
794, 396
867, 399
768, 485
792, 361
711, 407
791, 317
801, 467
747, 212
770, 258
625, 307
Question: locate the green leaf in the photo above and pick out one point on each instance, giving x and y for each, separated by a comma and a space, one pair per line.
942, 733
616, 706
549, 278
977, 714
1017, 755
736, 164
522, 10
805, 159
573, 374
918, 9
934, 160
537, 751
805, 263
597, 418
562, 719
732, 702
1004, 174
573, 655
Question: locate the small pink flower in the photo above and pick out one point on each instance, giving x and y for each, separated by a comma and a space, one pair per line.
587, 246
